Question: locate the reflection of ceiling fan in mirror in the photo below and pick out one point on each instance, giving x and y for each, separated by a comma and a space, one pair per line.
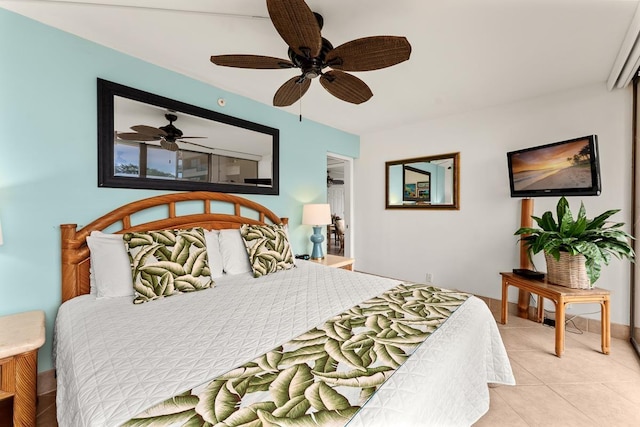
332, 181
168, 135
300, 28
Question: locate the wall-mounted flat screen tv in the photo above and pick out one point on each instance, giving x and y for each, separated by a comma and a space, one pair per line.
565, 168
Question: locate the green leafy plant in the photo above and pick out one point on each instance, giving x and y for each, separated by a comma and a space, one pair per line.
596, 239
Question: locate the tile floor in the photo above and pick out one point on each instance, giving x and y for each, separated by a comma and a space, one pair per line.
333, 247
46, 410
583, 388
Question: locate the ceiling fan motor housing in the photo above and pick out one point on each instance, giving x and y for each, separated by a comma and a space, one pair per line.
173, 132
312, 67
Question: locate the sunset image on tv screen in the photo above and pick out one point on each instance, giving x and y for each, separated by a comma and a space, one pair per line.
556, 167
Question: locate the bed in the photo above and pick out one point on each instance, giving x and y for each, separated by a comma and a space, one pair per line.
156, 362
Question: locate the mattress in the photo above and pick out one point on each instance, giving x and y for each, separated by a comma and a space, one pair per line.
114, 359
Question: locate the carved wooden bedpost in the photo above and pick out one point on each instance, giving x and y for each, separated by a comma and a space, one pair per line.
69, 268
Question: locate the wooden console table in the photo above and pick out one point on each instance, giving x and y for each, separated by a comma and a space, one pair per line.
561, 296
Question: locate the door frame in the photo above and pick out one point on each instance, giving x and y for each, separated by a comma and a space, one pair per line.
348, 201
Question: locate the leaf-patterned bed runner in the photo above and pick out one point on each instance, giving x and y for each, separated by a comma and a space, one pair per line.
322, 377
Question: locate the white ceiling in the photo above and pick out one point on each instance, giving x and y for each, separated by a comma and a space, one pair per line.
466, 54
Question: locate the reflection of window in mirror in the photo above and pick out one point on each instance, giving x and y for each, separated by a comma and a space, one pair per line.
161, 164
233, 170
126, 159
193, 166
183, 165
426, 182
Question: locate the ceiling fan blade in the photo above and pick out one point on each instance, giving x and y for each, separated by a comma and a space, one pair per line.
169, 145
149, 130
346, 87
135, 136
256, 62
291, 91
193, 137
369, 53
297, 25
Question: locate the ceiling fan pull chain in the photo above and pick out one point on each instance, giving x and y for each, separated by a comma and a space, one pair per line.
300, 102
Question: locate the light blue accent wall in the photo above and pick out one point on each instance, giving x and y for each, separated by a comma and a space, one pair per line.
396, 188
48, 146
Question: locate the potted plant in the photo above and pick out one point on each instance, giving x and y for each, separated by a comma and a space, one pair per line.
576, 249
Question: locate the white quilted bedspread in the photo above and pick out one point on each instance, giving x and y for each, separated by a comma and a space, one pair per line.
114, 359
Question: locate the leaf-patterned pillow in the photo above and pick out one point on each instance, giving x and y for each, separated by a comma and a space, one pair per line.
167, 262
268, 247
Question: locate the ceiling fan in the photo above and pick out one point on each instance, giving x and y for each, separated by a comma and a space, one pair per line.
300, 28
333, 181
167, 135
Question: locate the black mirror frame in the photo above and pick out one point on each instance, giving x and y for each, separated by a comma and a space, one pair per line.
106, 178
456, 182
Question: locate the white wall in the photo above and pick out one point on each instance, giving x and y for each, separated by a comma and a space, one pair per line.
466, 249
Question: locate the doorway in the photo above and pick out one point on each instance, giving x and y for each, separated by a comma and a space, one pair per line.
339, 197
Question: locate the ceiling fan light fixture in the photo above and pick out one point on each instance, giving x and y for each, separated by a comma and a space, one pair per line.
311, 74
169, 145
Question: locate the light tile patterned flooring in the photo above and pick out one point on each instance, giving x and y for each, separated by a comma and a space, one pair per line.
333, 247
583, 388
46, 410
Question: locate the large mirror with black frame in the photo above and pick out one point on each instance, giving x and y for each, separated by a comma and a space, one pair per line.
431, 182
152, 142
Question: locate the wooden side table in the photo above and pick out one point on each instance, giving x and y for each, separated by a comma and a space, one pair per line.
561, 296
336, 261
21, 335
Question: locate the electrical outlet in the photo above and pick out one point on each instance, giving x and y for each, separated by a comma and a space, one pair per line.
429, 278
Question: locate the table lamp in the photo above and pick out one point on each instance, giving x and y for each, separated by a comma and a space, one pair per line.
316, 215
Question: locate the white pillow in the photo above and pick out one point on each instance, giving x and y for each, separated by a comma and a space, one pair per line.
212, 240
110, 266
235, 258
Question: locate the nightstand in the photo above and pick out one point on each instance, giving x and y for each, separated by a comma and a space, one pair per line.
21, 335
336, 262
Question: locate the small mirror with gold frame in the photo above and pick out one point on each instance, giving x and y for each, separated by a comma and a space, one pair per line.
431, 182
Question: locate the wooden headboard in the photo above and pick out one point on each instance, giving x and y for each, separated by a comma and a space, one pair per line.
75, 252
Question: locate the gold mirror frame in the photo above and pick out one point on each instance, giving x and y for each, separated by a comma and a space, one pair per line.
434, 186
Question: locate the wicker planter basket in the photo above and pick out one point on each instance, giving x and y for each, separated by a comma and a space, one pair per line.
569, 271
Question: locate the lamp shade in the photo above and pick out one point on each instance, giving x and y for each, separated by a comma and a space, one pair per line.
316, 214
